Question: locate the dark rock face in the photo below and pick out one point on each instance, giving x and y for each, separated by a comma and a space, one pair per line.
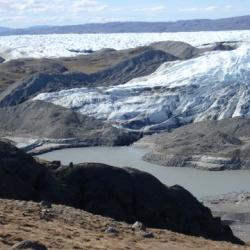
2, 60
21, 177
123, 194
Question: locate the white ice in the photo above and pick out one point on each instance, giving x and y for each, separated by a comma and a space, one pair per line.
40, 46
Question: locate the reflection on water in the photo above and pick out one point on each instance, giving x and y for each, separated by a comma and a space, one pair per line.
200, 183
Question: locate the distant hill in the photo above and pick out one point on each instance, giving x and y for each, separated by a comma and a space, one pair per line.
3, 29
233, 23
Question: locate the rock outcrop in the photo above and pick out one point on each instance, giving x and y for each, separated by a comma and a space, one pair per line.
21, 177
123, 194
208, 145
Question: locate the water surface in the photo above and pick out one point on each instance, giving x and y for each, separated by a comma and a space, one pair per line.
200, 183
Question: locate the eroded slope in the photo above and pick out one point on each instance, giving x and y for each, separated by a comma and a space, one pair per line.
210, 145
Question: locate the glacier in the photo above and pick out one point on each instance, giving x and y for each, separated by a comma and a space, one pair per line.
215, 85
65, 45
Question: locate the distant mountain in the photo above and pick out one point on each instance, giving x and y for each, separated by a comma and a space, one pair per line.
3, 29
233, 23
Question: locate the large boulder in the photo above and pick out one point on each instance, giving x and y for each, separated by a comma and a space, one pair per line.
131, 195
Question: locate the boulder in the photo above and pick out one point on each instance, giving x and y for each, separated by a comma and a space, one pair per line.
138, 226
112, 230
29, 245
146, 234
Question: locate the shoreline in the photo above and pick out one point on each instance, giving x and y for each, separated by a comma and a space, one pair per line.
233, 208
37, 146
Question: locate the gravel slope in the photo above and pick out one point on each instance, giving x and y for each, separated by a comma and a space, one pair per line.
68, 228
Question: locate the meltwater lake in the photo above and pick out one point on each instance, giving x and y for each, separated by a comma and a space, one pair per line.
199, 182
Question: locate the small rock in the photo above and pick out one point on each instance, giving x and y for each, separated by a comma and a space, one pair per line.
146, 234
46, 204
111, 230
28, 244
138, 226
55, 165
46, 214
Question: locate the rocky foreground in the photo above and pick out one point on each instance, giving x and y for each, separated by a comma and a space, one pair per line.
60, 227
122, 194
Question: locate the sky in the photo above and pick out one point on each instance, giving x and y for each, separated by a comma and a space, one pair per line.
27, 13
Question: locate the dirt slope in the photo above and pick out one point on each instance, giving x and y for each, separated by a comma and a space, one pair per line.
68, 228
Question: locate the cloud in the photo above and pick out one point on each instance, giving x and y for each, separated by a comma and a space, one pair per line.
196, 9
21, 6
11, 19
25, 6
189, 9
228, 7
210, 8
88, 5
158, 8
